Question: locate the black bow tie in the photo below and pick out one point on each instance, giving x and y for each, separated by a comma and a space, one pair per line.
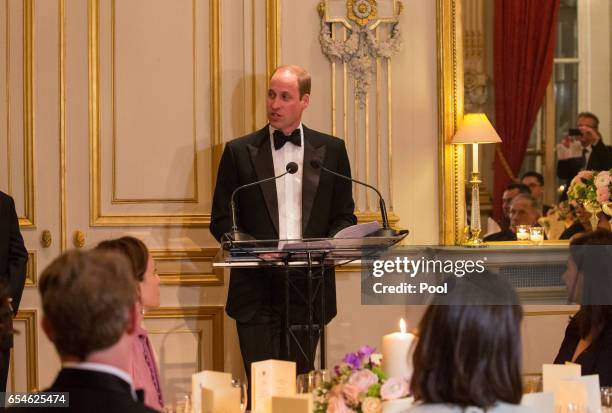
280, 139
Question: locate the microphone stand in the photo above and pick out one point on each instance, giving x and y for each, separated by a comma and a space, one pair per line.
386, 230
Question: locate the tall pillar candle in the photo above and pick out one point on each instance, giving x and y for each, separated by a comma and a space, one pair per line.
397, 353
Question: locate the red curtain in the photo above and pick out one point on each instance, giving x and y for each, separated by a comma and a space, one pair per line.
524, 46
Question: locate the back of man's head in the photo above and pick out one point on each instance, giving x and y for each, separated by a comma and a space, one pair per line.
522, 188
87, 300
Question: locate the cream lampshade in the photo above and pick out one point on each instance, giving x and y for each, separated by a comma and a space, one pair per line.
475, 129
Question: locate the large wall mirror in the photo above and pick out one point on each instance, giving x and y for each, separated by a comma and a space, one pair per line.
581, 81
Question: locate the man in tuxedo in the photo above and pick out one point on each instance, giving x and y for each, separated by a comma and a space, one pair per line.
524, 210
588, 152
90, 315
308, 204
13, 260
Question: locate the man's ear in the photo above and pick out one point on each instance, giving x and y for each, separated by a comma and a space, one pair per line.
133, 319
48, 329
306, 100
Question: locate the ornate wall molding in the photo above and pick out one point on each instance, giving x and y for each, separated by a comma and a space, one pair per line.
475, 75
362, 48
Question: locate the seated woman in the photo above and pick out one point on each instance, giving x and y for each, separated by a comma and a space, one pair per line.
144, 367
588, 336
468, 354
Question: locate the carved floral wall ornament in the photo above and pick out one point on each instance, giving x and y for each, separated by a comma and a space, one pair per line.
361, 48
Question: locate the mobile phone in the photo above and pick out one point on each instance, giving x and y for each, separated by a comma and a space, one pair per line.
574, 132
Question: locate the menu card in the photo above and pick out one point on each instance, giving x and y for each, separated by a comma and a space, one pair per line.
271, 378
552, 374
300, 403
212, 391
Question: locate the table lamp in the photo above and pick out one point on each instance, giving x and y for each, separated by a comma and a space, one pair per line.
476, 129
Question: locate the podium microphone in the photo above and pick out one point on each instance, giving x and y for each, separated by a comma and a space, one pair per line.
236, 235
386, 230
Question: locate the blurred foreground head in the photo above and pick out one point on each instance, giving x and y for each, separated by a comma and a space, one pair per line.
469, 349
88, 300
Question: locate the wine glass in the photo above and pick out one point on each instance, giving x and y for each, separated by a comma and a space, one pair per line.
244, 393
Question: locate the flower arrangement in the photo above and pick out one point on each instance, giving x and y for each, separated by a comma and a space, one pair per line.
359, 385
592, 189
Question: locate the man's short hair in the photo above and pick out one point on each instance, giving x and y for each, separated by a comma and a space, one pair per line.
535, 175
533, 203
523, 189
592, 116
303, 77
86, 299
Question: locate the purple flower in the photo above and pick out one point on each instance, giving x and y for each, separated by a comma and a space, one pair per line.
366, 351
353, 359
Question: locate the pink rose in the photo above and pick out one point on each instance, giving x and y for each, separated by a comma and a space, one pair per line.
351, 394
585, 174
371, 405
363, 379
602, 179
337, 405
603, 194
394, 388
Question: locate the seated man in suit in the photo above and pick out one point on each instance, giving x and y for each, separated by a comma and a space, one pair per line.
523, 211
587, 153
535, 181
90, 310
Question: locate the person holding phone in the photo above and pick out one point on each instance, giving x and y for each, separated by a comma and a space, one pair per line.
582, 149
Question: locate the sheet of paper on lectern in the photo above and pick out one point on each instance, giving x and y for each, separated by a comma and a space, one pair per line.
209, 380
271, 378
300, 403
552, 374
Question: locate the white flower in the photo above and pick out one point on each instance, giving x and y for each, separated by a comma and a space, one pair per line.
371, 405
602, 179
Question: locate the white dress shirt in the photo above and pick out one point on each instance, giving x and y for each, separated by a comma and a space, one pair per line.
289, 187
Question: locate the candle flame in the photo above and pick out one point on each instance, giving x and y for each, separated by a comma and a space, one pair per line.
402, 324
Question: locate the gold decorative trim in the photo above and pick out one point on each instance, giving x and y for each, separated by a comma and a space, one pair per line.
29, 317
548, 313
273, 35
214, 313
115, 199
375, 216
29, 180
62, 123
538, 294
450, 109
213, 278
31, 270
215, 90
7, 83
366, 9
97, 218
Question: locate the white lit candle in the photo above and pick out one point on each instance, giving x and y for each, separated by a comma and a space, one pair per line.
475, 158
522, 232
537, 234
397, 353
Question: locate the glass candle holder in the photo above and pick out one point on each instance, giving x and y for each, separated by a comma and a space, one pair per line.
536, 234
523, 232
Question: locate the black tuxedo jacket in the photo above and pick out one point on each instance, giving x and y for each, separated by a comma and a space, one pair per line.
13, 257
600, 159
92, 392
327, 207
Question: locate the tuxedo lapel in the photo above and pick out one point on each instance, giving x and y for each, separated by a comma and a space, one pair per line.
313, 149
261, 157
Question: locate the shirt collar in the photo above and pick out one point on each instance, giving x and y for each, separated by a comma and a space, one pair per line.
103, 368
272, 129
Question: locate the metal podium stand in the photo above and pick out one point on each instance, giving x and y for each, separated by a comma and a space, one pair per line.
315, 256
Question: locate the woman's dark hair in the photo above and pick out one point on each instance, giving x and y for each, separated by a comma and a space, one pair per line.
469, 354
591, 254
134, 249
